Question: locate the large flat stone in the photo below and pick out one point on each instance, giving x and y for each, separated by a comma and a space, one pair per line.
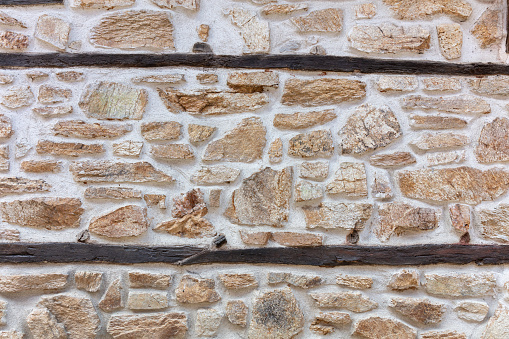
111, 171
317, 92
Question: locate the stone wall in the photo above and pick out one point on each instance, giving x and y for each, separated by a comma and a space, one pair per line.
171, 156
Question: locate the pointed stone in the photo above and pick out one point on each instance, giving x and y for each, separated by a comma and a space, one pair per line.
112, 298
127, 221
255, 32
488, 29
53, 31
88, 281
421, 311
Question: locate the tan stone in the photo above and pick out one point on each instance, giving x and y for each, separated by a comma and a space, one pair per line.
17, 97
350, 180
397, 83
49, 282
498, 325
53, 95
421, 9
365, 11
313, 144
351, 301
128, 148
325, 323
442, 335
36, 75
134, 29
112, 193
472, 311
155, 200
493, 145
255, 32
147, 301
318, 170
53, 31
238, 280
188, 202
5, 79
460, 217
262, 199
443, 158
112, 299
215, 197
461, 285
113, 101
12, 40
9, 185
149, 280
161, 130
82, 129
187, 4
369, 128
381, 188
152, 326
236, 312
436, 122
338, 215
211, 102
494, 223
255, 238
169, 78
277, 313
295, 239
111, 171
196, 290
72, 149
88, 281
8, 20
7, 234
11, 335
43, 325
389, 38
488, 28
276, 151
324, 20
441, 84
450, 40
298, 280
250, 82
208, 322
459, 184
303, 119
200, 133
52, 111
421, 311
70, 76
49, 213
203, 33
207, 78
5, 127
461, 104
41, 166
383, 328
215, 175
127, 221
435, 141
305, 191
191, 225
101, 4
354, 281
396, 217
404, 280
317, 92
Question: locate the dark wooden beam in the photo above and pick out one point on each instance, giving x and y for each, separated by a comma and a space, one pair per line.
320, 63
315, 256
30, 2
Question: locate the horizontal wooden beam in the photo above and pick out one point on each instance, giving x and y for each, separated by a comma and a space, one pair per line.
30, 2
327, 63
314, 256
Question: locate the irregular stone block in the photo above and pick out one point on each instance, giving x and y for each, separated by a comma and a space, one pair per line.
215, 197
112, 193
365, 11
170, 78
53, 31
33, 283
82, 129
187, 4
71, 76
350, 180
199, 133
494, 223
472, 311
305, 191
461, 285
442, 84
351, 301
203, 33
396, 159
215, 175
498, 325
147, 301
191, 225
294, 239
460, 217
238, 280
17, 96
324, 20
445, 140
301, 120
236, 312
317, 92
127, 221
172, 152
112, 298
196, 290
128, 148
421, 311
41, 166
353, 281
163, 130
381, 188
52, 111
249, 82
313, 144
207, 78
298, 280
255, 238
188, 203
12, 40
443, 158
101, 4
155, 200
404, 280
462, 104
381, 328
338, 215
318, 170
442, 335
148, 326
276, 151
71, 149
5, 127
9, 235
450, 40
283, 9
255, 32
488, 29
421, 9
43, 324
436, 122
397, 83
88, 281
493, 145
208, 322
9, 185
8, 20
53, 95
149, 280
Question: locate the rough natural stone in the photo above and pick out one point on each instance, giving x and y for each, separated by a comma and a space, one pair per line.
36, 75
354, 281
462, 104
21, 148
298, 280
53, 95
493, 145
421, 9
151, 326
459, 184
6, 130
208, 322
8, 20
172, 152
317, 92
9, 185
369, 128
338, 215
461, 285
350, 180
381, 188
134, 29
276, 151
169, 78
49, 282
207, 78
53, 31
163, 130
7, 234
192, 5
215, 197
238, 280
460, 217
262, 199
215, 175
203, 32
472, 310
11, 335
351, 301
397, 83
127, 221
112, 193
365, 11
324, 20
111, 171
436, 122
305, 191
318, 170
112, 299
442, 335
72, 149
494, 223
313, 144
236, 312
12, 40
49, 213
41, 166
139, 301
199, 133
383, 328
441, 84
155, 200
295, 239
436, 141
70, 76
113, 101
52, 111
188, 203
42, 325
283, 9
421, 311
149, 280
255, 238
250, 82
255, 32
276, 313
488, 28
404, 280
450, 40
82, 129
443, 158
5, 79
101, 4
196, 290
389, 38
128, 148
396, 217
301, 120
17, 97
88, 281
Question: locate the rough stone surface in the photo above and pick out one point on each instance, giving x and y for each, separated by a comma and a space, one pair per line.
442, 335
249, 82
149, 280
305, 191
112, 193
169, 78
498, 325
147, 301
53, 31
351, 301
188, 203
203, 32
163, 130
397, 83
151, 326
192, 5
436, 122
5, 127
493, 144
338, 215
255, 238
354, 281
81, 129
52, 111
437, 141
276, 151
298, 280
324, 20
128, 148
101, 4
7, 234
71, 149
443, 158
207, 78
200, 133
383, 328
176, 152
42, 324
494, 223
381, 188
404, 280
236, 312
9, 185
283, 9
421, 311
112, 299
461, 285
215, 175
421, 9
17, 97
313, 144
295, 239
318, 170
13, 41
88, 281
238, 280
48, 282
350, 180
127, 221
208, 322
155, 200
488, 28
365, 11
450, 40
462, 104
53, 95
301, 120
70, 76
472, 310
41, 166
255, 32
441, 84
460, 217
196, 290
8, 20
111, 171
215, 197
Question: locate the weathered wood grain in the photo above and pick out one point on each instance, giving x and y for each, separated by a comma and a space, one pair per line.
30, 2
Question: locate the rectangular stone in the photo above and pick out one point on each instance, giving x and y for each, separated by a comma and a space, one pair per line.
111, 171
149, 280
72, 149
32, 282
461, 285
82, 129
329, 91
112, 193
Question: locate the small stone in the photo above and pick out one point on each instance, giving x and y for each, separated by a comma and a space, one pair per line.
462, 104
238, 281
236, 312
395, 218
365, 11
53, 95
303, 119
134, 29
396, 159
12, 40
49, 213
37, 75
381, 187
423, 9
207, 78
404, 280
324, 20
10, 185
70, 76
494, 223
188, 203
155, 200
493, 145
203, 32
472, 311
295, 239
460, 217
215, 198
317, 92
441, 84
52, 111
435, 141
325, 323
442, 335
255, 238
255, 32
112, 298
262, 199
5, 127
53, 31
170, 78
421, 311
382, 328
110, 171
33, 282
41, 166
196, 290
7, 234
305, 191
128, 148
353, 281
314, 170
276, 151
443, 158
82, 129
313, 144
350, 180
43, 324
207, 322
283, 9
149, 280
215, 175
331, 215
317, 50
397, 83
200, 133
72, 149
192, 5
250, 82
276, 312
488, 28
113, 101
389, 38
436, 122
163, 130
450, 40
88, 281
150, 326
17, 97
127, 221
8, 20
112, 193
351, 301
101, 4
5, 79
140, 301
461, 285
298, 280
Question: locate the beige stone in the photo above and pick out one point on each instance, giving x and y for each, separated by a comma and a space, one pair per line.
301, 120
421, 9
191, 225
8, 20
9, 185
207, 78
313, 144
326, 322
101, 4
262, 199
381, 187
442, 335
404, 280
82, 129
215, 197
188, 203
441, 84
158, 281
5, 79
203, 32
71, 149
113, 101
317, 92
461, 285
365, 11
196, 290
134, 29
49, 213
43, 325
351, 301
236, 312
318, 170
250, 82
338, 215
155, 200
498, 325
494, 223
420, 311
112, 299
254, 31
11, 335
295, 239
383, 328
53, 95
324, 20
168, 78
53, 31
493, 145
7, 234
17, 97
127, 221
36, 75
215, 175
275, 312
397, 83
151, 326
41, 166
283, 9
208, 322
128, 148
298, 280
6, 130
161, 130
459, 184
238, 280
255, 238
48, 282
140, 301
305, 191
88, 281
490, 85
70, 76
276, 151
460, 217
199, 133
369, 128
13, 41
110, 171
354, 281
443, 158
436, 122
461, 104
52, 111
450, 40
488, 29
350, 180
172, 152
472, 310
171, 4
436, 141
112, 193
